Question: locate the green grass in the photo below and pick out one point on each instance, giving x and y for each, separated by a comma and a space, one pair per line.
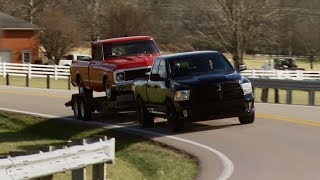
298, 97
136, 158
37, 82
256, 62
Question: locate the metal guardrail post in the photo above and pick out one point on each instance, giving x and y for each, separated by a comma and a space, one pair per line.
48, 81
264, 95
311, 97
289, 96
276, 95
7, 80
80, 174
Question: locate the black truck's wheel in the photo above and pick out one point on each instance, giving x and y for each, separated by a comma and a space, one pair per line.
145, 119
174, 124
248, 119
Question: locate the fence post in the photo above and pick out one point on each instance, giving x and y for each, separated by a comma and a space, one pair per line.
311, 98
48, 81
278, 74
289, 96
7, 80
29, 70
253, 73
300, 75
4, 69
27, 80
79, 174
69, 82
55, 72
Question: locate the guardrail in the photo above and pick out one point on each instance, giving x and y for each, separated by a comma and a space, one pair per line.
282, 74
34, 70
74, 158
309, 86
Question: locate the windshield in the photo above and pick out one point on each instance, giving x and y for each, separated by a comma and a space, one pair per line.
200, 65
129, 48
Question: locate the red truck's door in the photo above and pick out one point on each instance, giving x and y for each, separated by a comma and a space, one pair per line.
96, 72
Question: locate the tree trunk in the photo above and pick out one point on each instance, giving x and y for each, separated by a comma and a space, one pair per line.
311, 59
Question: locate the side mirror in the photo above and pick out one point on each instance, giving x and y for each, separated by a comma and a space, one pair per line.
242, 67
156, 77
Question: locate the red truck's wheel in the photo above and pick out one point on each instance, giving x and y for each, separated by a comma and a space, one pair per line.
145, 119
110, 94
82, 89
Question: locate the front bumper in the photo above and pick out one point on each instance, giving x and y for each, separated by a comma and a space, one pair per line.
215, 110
123, 88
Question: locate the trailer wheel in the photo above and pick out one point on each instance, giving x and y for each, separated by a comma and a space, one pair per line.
76, 108
81, 109
85, 110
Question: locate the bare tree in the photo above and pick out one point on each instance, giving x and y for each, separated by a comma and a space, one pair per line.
237, 25
126, 19
59, 35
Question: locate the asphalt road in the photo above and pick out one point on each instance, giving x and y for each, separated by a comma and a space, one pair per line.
283, 142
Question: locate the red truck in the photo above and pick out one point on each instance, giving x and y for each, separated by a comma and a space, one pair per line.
114, 65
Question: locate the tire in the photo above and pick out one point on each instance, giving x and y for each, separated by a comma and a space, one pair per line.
82, 89
76, 108
110, 94
85, 110
248, 119
174, 124
81, 110
145, 119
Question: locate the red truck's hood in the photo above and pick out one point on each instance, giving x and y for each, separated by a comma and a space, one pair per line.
129, 62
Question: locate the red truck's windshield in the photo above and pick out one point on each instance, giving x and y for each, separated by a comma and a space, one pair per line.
129, 48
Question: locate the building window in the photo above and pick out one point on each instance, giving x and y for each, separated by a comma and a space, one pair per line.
26, 56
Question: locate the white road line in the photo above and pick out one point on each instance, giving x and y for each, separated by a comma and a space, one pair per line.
227, 163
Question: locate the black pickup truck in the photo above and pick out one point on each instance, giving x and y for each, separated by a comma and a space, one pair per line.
193, 86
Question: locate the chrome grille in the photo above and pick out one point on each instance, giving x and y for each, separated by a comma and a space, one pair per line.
134, 74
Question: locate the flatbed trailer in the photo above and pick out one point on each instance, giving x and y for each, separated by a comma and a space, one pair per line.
84, 106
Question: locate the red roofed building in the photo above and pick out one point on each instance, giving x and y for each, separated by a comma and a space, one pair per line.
18, 40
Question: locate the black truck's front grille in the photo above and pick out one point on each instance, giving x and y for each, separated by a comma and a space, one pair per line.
217, 92
133, 74
231, 91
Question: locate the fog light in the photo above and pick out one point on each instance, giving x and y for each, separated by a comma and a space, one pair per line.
185, 113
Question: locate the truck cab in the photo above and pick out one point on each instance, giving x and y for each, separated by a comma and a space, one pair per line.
114, 65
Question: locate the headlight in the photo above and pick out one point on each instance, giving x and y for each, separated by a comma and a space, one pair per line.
182, 95
120, 77
247, 88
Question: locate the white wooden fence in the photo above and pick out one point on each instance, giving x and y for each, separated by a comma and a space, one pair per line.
63, 72
282, 74
34, 70
61, 160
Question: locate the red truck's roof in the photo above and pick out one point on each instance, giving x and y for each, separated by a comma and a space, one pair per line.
125, 39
